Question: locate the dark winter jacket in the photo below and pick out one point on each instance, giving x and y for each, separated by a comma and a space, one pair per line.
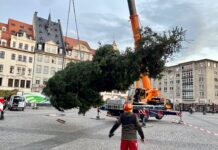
130, 124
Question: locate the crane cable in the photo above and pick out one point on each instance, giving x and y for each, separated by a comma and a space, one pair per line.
65, 39
77, 32
75, 19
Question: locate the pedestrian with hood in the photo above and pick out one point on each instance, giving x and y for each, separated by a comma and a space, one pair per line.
130, 124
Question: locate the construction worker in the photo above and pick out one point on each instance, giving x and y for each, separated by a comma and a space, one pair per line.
130, 124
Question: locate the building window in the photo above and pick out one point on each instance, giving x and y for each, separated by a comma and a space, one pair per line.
16, 83
12, 69
10, 82
39, 58
30, 59
69, 53
28, 84
19, 57
23, 71
22, 83
46, 70
39, 46
2, 54
18, 70
81, 55
47, 58
52, 71
37, 81
3, 43
53, 61
54, 50
24, 58
208, 64
48, 49
20, 45
59, 61
29, 71
32, 48
13, 56
0, 81
60, 51
14, 44
1, 68
45, 80
38, 69
214, 65
26, 46
76, 54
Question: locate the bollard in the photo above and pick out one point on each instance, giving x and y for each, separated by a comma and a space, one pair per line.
98, 111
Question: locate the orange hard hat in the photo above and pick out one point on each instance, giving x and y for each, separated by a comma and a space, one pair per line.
127, 107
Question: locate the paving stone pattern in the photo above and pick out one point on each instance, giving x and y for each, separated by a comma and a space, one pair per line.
40, 130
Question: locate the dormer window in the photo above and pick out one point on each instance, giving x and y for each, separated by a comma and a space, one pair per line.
60, 51
13, 32
4, 29
19, 34
39, 46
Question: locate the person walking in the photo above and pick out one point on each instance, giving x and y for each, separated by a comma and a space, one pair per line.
130, 124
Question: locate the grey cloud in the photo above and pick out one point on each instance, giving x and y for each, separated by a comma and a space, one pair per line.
197, 17
105, 28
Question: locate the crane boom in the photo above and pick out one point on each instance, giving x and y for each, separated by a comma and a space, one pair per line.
134, 21
136, 34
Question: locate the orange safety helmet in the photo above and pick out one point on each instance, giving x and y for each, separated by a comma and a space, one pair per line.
127, 107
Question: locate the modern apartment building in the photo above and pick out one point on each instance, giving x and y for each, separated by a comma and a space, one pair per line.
190, 82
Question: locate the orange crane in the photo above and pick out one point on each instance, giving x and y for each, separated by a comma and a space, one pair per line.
149, 103
146, 94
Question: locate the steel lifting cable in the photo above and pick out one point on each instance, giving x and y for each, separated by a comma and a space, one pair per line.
68, 16
77, 32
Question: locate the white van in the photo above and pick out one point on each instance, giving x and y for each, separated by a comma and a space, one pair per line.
16, 102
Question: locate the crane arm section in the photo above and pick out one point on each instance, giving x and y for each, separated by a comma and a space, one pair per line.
136, 34
134, 21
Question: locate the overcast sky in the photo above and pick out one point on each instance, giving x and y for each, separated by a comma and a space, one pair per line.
108, 20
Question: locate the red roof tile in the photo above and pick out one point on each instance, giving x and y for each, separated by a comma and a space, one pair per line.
74, 42
16, 26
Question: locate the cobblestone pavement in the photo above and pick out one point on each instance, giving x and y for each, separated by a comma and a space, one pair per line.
40, 130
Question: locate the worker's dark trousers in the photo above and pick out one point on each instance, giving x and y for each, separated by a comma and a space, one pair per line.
2, 115
128, 145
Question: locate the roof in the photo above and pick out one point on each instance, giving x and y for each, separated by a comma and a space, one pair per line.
74, 42
47, 30
15, 26
193, 61
3, 25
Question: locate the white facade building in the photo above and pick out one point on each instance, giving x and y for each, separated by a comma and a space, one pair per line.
190, 82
